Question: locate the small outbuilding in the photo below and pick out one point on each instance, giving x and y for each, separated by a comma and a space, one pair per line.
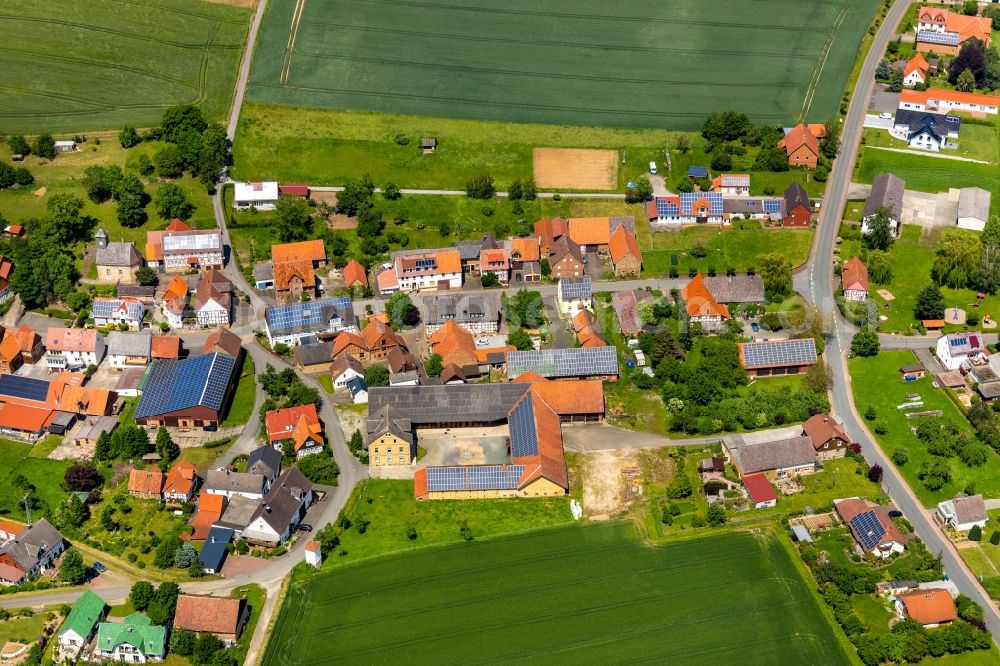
428, 145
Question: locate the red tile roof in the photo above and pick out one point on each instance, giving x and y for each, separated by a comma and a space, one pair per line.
180, 479
217, 615
354, 273
929, 606
23, 417
799, 137
916, 63
294, 190
311, 250
299, 424
821, 428
699, 301
455, 344
954, 96
590, 230
145, 482
623, 244
165, 346
759, 488
854, 275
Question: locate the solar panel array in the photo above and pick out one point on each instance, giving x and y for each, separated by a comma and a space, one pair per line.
688, 199
192, 241
575, 287
478, 477
772, 205
25, 388
443, 404
107, 308
311, 315
667, 208
735, 180
779, 353
932, 37
698, 172
174, 385
523, 434
868, 528
572, 362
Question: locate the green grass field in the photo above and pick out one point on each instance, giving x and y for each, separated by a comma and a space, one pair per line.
977, 142
46, 475
876, 381
574, 595
644, 64
243, 400
69, 66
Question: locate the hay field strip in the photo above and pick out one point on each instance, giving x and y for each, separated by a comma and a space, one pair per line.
578, 594
67, 66
652, 64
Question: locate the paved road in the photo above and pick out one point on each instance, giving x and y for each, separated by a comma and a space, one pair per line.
820, 288
241, 81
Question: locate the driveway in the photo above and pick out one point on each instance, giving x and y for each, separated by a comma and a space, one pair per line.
873, 120
882, 101
589, 437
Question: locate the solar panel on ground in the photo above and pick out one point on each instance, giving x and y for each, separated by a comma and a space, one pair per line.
25, 388
523, 435
698, 172
779, 353
868, 528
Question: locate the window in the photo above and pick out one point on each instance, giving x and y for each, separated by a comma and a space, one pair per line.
376, 460
402, 460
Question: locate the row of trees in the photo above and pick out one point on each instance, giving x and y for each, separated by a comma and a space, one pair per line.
10, 175
43, 146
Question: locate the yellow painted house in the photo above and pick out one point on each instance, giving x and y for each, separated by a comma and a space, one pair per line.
390, 440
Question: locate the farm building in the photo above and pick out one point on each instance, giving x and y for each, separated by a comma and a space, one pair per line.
887, 192
263, 196
298, 190
943, 100
912, 371
187, 393
224, 617
854, 280
777, 357
626, 258
973, 208
872, 528
290, 324
593, 234
729, 289
776, 459
760, 491
145, 484
565, 364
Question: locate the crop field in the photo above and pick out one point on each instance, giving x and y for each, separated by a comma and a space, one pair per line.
568, 595
645, 63
71, 66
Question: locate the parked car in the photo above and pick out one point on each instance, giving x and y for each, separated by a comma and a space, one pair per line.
885, 115
98, 567
895, 513
305, 527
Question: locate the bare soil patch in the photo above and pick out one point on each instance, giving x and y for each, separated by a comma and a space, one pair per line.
235, 3
575, 169
604, 483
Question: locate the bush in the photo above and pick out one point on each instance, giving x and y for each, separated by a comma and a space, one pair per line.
995, 538
900, 456
976, 533
466, 531
411, 533
870, 413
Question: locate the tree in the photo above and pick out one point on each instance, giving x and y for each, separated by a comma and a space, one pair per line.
819, 377
168, 162
958, 258
213, 155
884, 69
320, 468
970, 7
995, 538
971, 57
293, 221
145, 276
716, 516
370, 223
165, 552
524, 309
132, 198
865, 342
182, 642
82, 477
165, 445
879, 266
930, 303
356, 194
23, 177
966, 81
184, 556
128, 137
18, 145
433, 365
721, 160
680, 487
75, 512
879, 230
976, 533
376, 375
72, 570
401, 310
180, 119
776, 273
875, 473
144, 165
141, 595
516, 191
44, 146
391, 192
480, 186
6, 175
466, 531
205, 648
900, 456
102, 450
519, 338
642, 191
726, 126
171, 202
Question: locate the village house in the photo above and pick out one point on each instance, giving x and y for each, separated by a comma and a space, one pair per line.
145, 484
732, 184
872, 528
943, 100
802, 147
73, 348
626, 258
573, 295
354, 275
181, 248
954, 349
931, 608
973, 208
625, 303
916, 71
469, 252
265, 461
854, 280
32, 551
390, 439
231, 484
6, 270
10, 355
887, 192
213, 299
358, 389
28, 342
262, 196
189, 393
776, 459
181, 482
593, 234
828, 436
296, 323
80, 625
223, 617
314, 356
372, 345
701, 306
114, 311
963, 512
798, 212
134, 640
525, 260
298, 427
924, 130
672, 212
587, 330
207, 511
565, 259
495, 262
214, 551
944, 32
476, 313
283, 508
165, 346
174, 302
345, 369
117, 261
777, 357
129, 350
427, 269
296, 190
732, 290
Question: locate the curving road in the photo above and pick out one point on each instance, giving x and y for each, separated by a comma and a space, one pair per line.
820, 287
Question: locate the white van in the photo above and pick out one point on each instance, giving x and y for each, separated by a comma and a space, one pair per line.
652, 167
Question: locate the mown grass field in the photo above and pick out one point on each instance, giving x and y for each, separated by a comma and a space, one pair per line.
876, 381
69, 66
574, 595
46, 475
642, 64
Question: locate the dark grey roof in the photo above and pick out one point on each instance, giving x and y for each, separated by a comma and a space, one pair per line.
462, 308
388, 420
736, 288
455, 403
970, 508
626, 221
313, 354
129, 344
235, 482
263, 271
887, 192
283, 501
570, 362
32, 543
118, 253
795, 195
469, 249
428, 143
136, 291
754, 206
239, 510
989, 390
973, 202
356, 385
101, 233
561, 247
213, 552
764, 456
938, 124
130, 379
264, 460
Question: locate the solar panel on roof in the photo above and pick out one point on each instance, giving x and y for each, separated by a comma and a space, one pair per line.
477, 477
779, 353
715, 201
868, 528
310, 313
575, 287
25, 388
174, 385
523, 434
932, 37
572, 362
661, 207
772, 205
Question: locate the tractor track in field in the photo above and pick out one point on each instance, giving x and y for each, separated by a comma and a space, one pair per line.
74, 60
821, 63
120, 33
293, 33
184, 12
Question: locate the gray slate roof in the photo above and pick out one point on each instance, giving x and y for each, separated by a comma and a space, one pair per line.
736, 288
238, 512
795, 195
129, 344
939, 124
775, 454
263, 271
887, 192
28, 546
234, 482
970, 509
118, 253
974, 202
284, 499
264, 460
454, 403
462, 308
313, 354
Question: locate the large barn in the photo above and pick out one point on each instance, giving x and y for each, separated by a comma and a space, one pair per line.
189, 393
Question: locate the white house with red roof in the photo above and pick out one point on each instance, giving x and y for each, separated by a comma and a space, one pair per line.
871, 527
297, 426
954, 349
943, 100
760, 491
733, 184
915, 72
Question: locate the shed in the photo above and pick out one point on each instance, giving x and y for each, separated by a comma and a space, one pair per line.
912, 371
428, 145
213, 553
697, 172
801, 534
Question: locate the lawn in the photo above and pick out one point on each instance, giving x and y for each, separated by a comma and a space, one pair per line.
976, 142
46, 475
241, 407
22, 629
872, 612
391, 508
574, 595
929, 174
254, 595
64, 174
201, 457
876, 381
545, 61
70, 66
326, 381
